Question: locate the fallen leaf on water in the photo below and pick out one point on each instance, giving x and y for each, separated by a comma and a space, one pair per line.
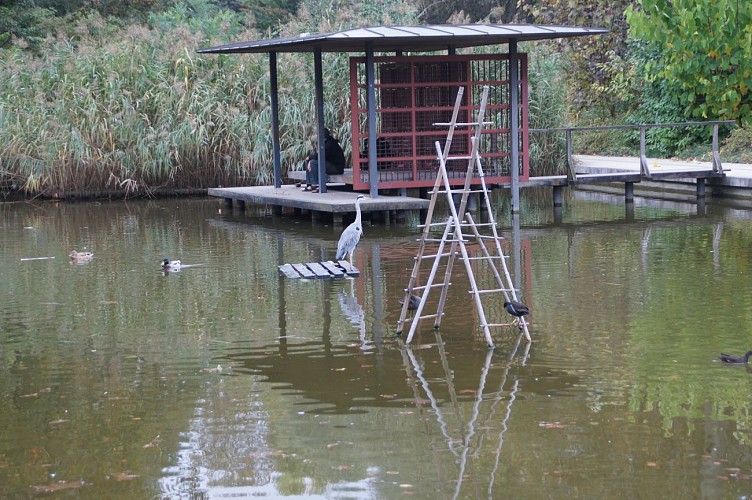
340, 369
59, 421
332, 445
30, 395
366, 366
392, 472
652, 464
124, 476
405, 485
407, 412
388, 396
468, 391
552, 425
343, 467
59, 485
154, 442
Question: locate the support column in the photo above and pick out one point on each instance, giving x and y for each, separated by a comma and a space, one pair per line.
629, 192
557, 196
275, 119
700, 189
319, 91
373, 174
514, 135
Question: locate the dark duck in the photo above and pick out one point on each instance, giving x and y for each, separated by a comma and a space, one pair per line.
516, 309
736, 360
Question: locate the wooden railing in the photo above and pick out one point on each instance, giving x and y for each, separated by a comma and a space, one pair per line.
644, 169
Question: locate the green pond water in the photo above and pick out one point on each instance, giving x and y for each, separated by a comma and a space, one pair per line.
228, 380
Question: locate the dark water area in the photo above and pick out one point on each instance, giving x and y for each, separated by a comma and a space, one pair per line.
228, 380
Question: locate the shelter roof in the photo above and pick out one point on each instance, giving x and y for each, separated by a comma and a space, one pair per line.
427, 38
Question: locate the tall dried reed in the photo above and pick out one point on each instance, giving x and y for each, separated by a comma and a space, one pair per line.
135, 110
141, 111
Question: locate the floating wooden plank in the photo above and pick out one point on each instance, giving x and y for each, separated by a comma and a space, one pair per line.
289, 271
333, 268
350, 270
328, 269
303, 270
319, 270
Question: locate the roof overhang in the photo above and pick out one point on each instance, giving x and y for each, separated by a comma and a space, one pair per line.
406, 38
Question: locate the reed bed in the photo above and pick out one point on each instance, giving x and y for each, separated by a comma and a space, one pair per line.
136, 111
142, 112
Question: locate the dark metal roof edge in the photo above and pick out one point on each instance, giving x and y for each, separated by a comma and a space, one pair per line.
307, 42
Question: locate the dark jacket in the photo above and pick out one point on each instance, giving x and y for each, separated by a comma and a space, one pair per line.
335, 157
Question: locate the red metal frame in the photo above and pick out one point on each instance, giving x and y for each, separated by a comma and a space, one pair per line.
412, 93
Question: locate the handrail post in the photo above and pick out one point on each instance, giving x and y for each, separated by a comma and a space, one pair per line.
644, 170
717, 166
572, 173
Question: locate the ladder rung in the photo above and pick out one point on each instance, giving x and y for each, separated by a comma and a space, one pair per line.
422, 226
435, 255
452, 158
448, 240
479, 224
486, 237
495, 290
493, 325
434, 285
408, 319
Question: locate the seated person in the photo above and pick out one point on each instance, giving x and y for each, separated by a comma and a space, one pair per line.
335, 162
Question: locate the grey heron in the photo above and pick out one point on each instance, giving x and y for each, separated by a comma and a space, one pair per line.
351, 235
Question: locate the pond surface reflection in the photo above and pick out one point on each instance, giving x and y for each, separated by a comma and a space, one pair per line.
226, 379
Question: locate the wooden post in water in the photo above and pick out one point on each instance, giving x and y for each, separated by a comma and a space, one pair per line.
629, 192
557, 196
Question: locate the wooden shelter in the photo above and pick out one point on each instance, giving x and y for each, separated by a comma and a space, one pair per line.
397, 99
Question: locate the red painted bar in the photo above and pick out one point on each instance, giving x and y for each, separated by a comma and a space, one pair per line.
413, 93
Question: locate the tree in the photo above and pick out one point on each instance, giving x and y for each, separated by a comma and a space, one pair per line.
705, 48
589, 60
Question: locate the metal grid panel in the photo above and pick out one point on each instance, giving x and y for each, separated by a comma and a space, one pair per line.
413, 94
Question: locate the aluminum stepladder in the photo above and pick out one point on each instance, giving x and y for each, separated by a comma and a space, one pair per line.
454, 237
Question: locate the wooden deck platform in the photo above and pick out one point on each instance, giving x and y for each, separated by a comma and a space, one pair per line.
328, 269
335, 202
666, 176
